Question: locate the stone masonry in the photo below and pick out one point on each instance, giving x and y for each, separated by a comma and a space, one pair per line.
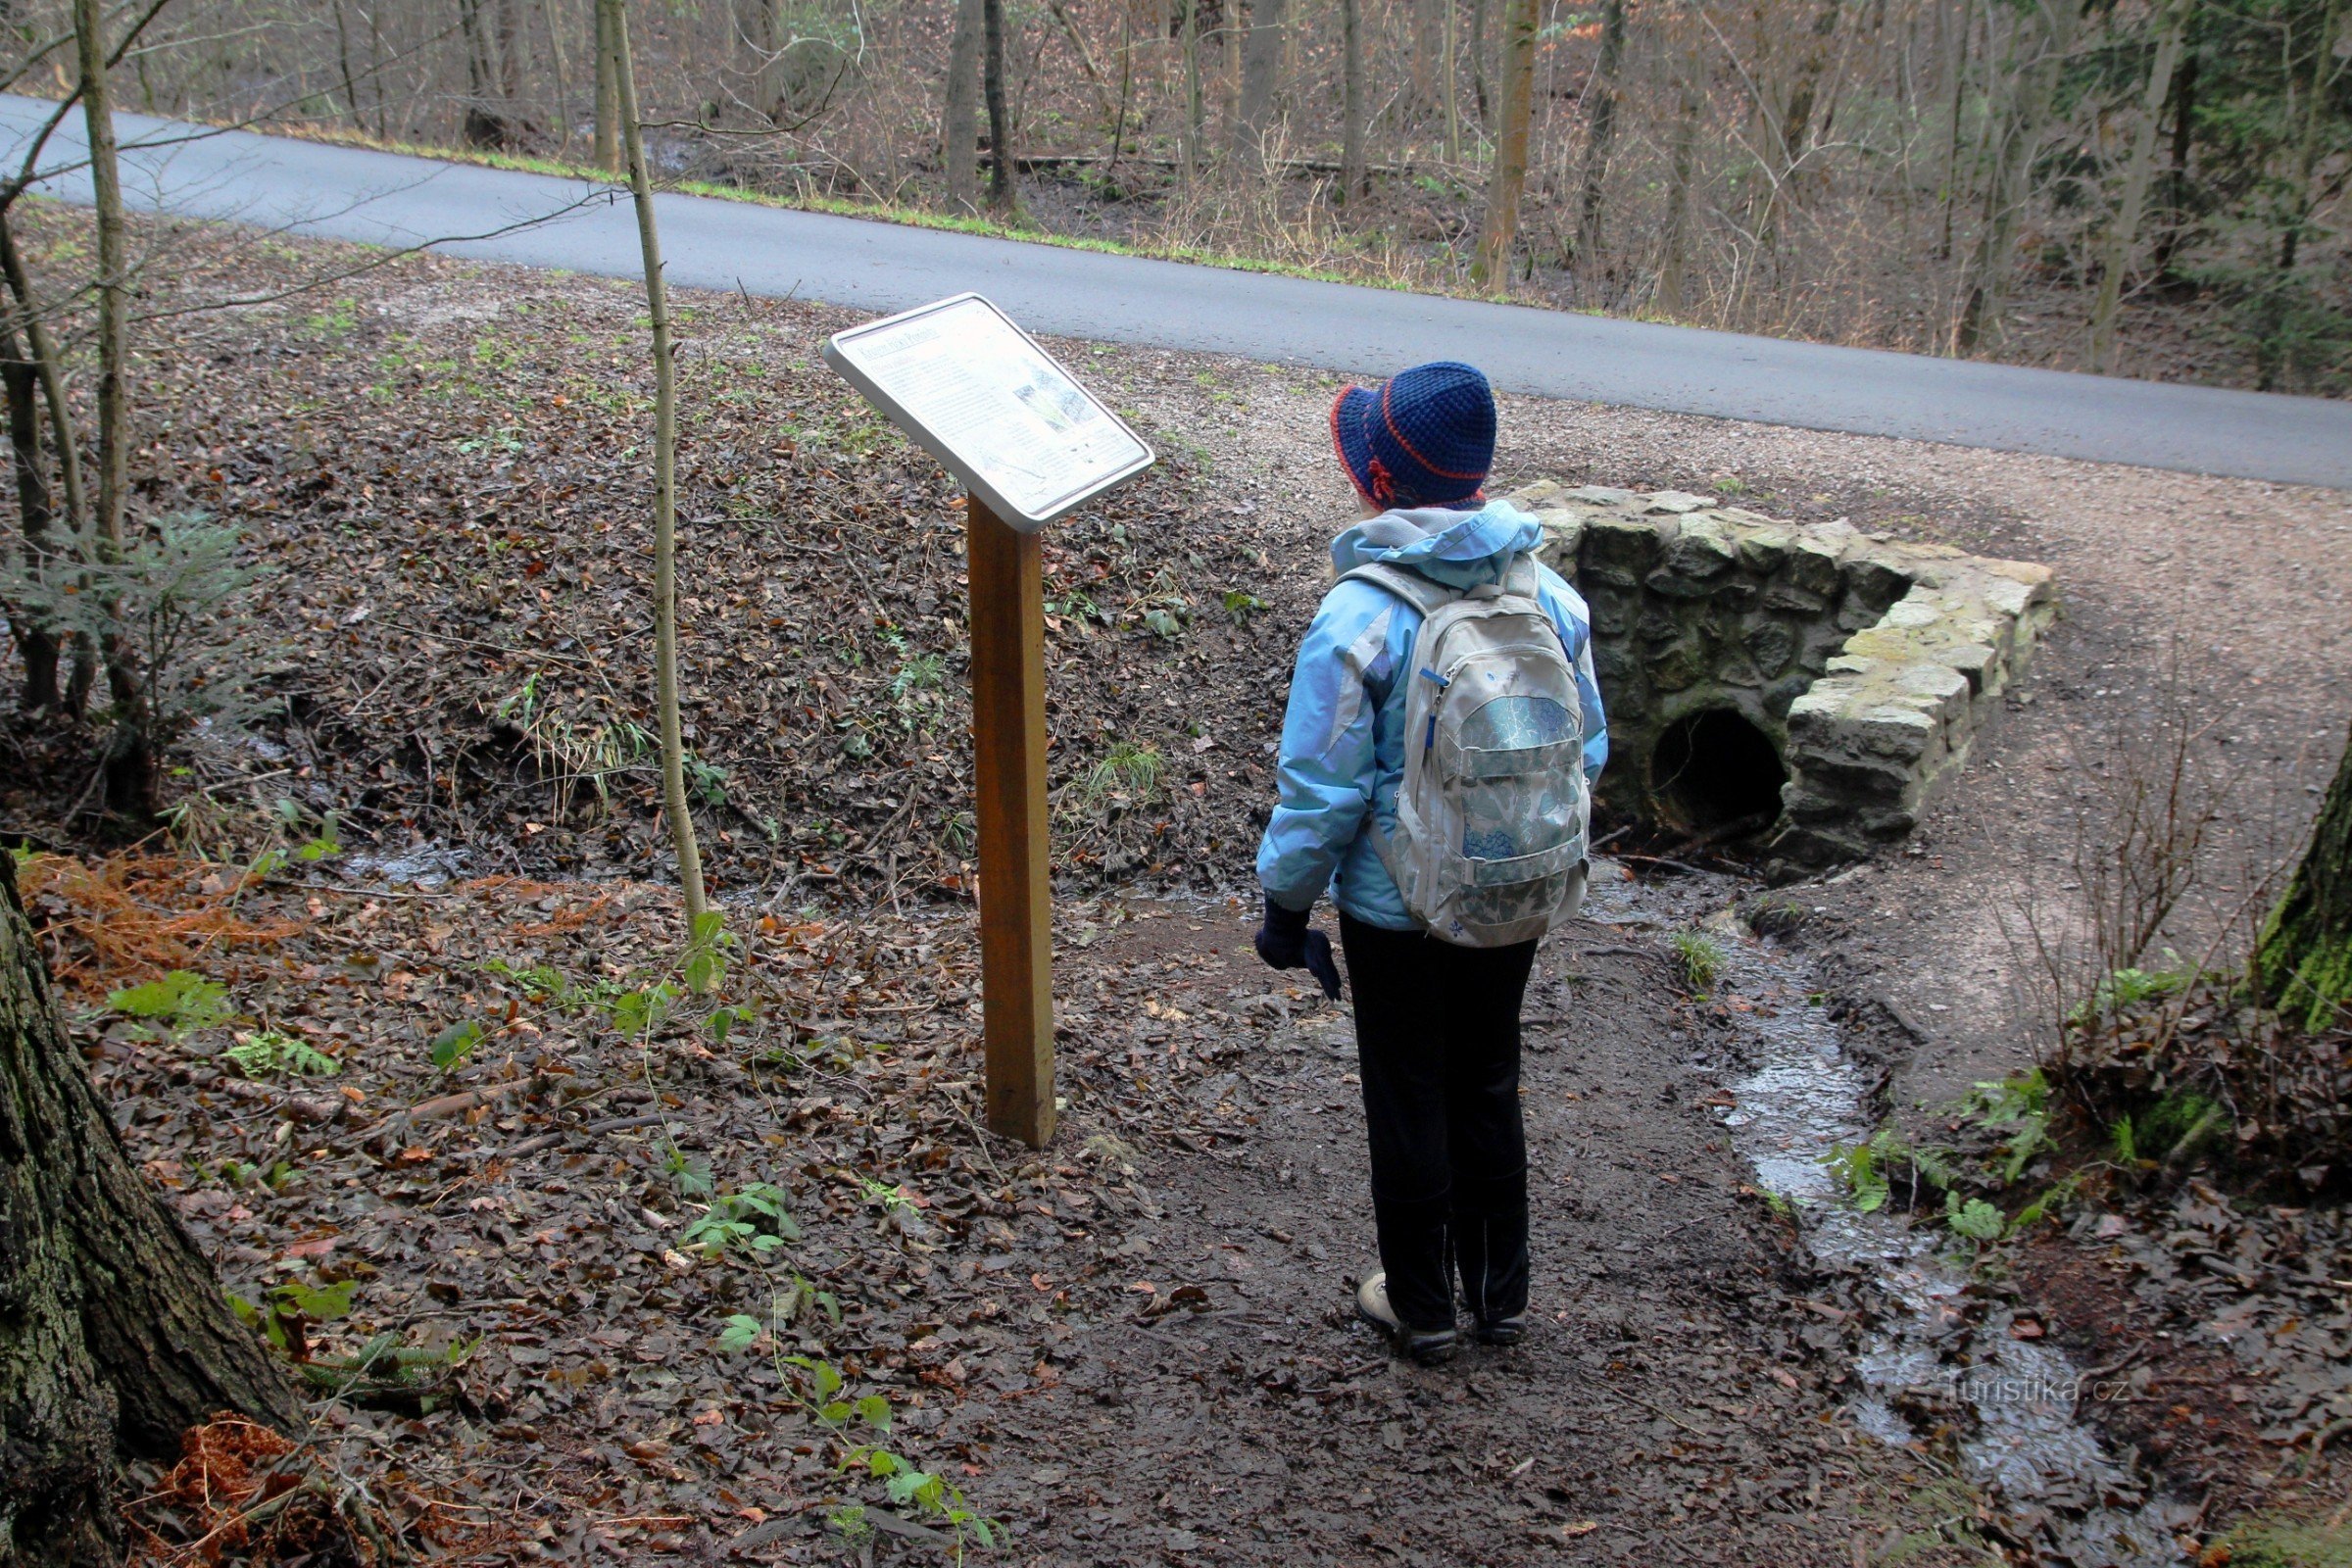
1869, 664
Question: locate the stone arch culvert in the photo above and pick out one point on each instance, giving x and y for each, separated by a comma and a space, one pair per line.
1807, 689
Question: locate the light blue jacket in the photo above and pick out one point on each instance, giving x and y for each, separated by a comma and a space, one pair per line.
1342, 738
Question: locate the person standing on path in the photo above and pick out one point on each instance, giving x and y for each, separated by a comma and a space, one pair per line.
1407, 846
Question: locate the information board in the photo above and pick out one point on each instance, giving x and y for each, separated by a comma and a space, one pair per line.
976, 393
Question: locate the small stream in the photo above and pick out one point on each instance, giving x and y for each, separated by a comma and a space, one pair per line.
2015, 1398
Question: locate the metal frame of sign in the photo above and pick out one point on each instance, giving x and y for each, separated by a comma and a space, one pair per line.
843, 363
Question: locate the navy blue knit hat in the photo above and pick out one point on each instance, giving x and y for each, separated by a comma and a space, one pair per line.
1425, 439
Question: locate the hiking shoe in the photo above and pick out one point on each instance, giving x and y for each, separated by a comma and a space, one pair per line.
1428, 1346
1501, 1331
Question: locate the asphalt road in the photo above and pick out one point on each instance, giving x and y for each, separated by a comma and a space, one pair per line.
387, 199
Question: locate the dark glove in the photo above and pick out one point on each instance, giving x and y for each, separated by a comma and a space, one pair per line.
1284, 942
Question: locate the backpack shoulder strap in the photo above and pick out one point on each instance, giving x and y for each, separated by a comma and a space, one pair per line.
1410, 586
1521, 577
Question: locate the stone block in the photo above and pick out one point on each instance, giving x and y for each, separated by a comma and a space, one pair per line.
1795, 601
1601, 495
1703, 535
2008, 596
1781, 693
1939, 684
1678, 665
1914, 610
1674, 503
1612, 613
1977, 663
1657, 625
1813, 566
1837, 720
1675, 584
1628, 545
1614, 667
1563, 538
1876, 577
1856, 612
1870, 780
1529, 497
1764, 551
1772, 646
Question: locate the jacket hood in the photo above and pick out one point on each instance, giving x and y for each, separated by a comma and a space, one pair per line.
1460, 549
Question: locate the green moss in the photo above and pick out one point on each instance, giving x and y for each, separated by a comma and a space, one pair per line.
2310, 981
2288, 1543
2303, 960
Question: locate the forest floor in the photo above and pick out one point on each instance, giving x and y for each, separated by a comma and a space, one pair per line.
1134, 1347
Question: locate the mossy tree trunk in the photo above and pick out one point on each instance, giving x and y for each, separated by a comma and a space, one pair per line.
1003, 166
2304, 959
959, 119
1491, 268
115, 1335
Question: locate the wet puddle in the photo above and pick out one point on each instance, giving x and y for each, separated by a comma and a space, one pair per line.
1927, 1362
423, 865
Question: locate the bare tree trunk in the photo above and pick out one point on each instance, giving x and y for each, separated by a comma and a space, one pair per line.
1118, 123
509, 58
1003, 191
560, 124
482, 127
1194, 109
1798, 122
2304, 958
1354, 183
351, 92
775, 62
1981, 319
1479, 92
1951, 160
116, 1335
46, 366
36, 644
607, 148
960, 118
1601, 96
131, 759
1671, 280
1261, 61
666, 488
1086, 57
1422, 58
1449, 69
2303, 200
2123, 234
1492, 267
2176, 179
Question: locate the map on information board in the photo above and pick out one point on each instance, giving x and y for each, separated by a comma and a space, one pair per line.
972, 390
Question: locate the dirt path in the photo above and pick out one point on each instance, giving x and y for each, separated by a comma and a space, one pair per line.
1666, 1406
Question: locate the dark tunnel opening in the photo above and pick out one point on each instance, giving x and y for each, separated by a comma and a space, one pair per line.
1716, 775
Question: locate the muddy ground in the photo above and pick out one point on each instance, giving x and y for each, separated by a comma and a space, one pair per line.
441, 459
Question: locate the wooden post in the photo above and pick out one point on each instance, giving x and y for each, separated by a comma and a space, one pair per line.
1009, 742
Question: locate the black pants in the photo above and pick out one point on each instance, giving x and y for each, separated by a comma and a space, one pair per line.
1437, 1035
